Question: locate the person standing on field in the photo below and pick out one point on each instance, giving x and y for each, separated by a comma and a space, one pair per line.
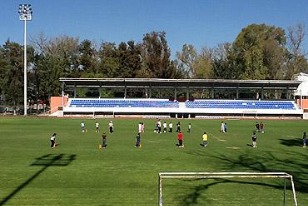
83, 126
178, 127
165, 127
189, 128
110, 126
180, 139
138, 140
140, 127
222, 127
53, 140
254, 139
304, 139
97, 127
104, 140
204, 140
170, 126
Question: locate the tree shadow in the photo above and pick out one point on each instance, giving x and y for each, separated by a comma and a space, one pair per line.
192, 198
292, 142
46, 161
292, 162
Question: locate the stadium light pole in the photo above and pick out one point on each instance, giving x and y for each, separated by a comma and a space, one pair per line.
25, 14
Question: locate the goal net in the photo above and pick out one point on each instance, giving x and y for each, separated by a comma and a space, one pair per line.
245, 186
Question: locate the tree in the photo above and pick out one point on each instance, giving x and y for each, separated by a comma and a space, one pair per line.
129, 59
55, 58
186, 59
156, 56
258, 49
11, 72
87, 58
296, 57
202, 67
109, 61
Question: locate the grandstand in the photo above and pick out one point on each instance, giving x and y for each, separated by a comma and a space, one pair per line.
181, 109
184, 107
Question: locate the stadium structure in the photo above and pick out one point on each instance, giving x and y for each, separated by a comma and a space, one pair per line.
218, 98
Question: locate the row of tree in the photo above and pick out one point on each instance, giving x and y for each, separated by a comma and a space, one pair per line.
258, 52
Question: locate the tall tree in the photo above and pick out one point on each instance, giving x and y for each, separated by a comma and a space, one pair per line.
296, 59
252, 47
186, 58
11, 72
109, 61
87, 58
202, 67
156, 56
129, 59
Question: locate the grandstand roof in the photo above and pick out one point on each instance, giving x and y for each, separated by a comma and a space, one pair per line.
184, 83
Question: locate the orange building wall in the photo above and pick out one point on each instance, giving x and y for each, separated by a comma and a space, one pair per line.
304, 103
56, 102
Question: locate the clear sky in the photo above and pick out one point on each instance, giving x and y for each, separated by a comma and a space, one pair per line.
202, 23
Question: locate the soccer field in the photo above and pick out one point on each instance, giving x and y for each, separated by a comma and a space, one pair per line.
77, 172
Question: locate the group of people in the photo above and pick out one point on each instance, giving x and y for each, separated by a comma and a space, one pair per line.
260, 127
180, 136
163, 127
97, 127
223, 127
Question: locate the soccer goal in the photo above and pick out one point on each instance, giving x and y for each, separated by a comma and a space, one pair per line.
227, 175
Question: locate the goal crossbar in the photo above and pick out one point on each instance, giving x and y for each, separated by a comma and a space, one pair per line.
221, 175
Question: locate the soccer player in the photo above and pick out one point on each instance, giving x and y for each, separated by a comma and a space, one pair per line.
222, 127
180, 139
204, 140
104, 140
257, 127
110, 126
83, 126
304, 139
178, 127
254, 139
97, 126
159, 126
165, 127
261, 127
189, 128
170, 126
53, 140
140, 127
138, 140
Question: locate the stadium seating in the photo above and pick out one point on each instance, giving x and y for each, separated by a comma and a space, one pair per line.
123, 103
198, 107
241, 104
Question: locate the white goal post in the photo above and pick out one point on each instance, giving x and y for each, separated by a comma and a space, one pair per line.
221, 175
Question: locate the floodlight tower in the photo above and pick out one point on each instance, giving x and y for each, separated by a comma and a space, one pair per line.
25, 14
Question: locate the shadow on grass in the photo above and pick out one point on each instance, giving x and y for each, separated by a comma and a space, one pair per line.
192, 198
292, 142
291, 162
45, 161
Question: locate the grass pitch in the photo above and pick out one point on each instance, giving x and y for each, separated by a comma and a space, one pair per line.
77, 172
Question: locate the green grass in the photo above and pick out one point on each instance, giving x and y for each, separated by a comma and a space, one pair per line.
76, 172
